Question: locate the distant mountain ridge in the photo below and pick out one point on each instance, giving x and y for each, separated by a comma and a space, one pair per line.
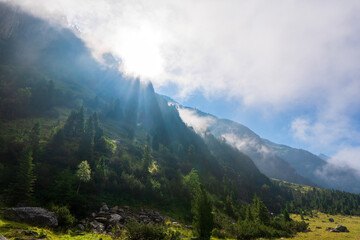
274, 160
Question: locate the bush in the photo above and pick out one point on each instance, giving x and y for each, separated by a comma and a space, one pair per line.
218, 234
142, 231
250, 230
65, 218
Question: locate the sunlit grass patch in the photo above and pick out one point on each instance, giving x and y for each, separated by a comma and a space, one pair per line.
13, 230
320, 221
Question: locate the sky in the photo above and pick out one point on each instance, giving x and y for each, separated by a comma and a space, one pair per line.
289, 70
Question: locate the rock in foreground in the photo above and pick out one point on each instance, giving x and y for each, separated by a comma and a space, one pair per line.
31, 215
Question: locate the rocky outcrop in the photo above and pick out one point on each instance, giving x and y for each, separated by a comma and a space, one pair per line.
31, 215
106, 219
2, 237
338, 228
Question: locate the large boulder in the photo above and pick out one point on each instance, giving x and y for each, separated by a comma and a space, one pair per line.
31, 215
341, 228
2, 237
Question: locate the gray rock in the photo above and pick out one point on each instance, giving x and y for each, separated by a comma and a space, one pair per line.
81, 227
341, 228
101, 219
104, 208
30, 233
31, 215
114, 218
2, 237
99, 227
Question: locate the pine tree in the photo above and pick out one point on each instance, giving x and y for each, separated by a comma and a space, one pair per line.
260, 211
34, 138
98, 130
80, 122
146, 159
229, 207
203, 221
286, 216
249, 217
22, 189
87, 141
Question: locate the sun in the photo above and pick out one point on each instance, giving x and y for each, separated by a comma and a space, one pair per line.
140, 51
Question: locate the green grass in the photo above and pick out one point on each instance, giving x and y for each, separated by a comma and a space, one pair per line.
320, 222
295, 186
18, 128
13, 230
317, 225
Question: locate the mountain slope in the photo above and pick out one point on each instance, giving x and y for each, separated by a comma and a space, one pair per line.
274, 160
317, 169
90, 111
246, 141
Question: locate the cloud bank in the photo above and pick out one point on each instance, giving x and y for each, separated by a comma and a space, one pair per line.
264, 54
199, 123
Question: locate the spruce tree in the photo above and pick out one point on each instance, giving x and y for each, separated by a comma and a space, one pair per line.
286, 216
34, 138
203, 221
98, 130
260, 211
22, 189
80, 122
146, 159
249, 216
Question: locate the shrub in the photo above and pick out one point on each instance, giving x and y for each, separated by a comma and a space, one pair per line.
218, 234
250, 230
65, 218
142, 231
138, 231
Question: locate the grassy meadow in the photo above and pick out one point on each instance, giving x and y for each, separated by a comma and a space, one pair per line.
320, 221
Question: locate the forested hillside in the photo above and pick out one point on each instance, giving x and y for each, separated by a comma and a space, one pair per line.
58, 113
76, 132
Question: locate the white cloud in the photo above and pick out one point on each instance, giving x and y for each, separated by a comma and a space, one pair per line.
247, 144
199, 123
347, 157
277, 54
262, 52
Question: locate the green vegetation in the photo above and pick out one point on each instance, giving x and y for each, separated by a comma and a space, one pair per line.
83, 173
141, 231
13, 230
320, 221
304, 199
74, 134
203, 217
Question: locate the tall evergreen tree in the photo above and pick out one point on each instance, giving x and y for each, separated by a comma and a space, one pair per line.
22, 189
286, 216
87, 141
34, 138
203, 220
146, 159
249, 217
98, 130
80, 122
260, 211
